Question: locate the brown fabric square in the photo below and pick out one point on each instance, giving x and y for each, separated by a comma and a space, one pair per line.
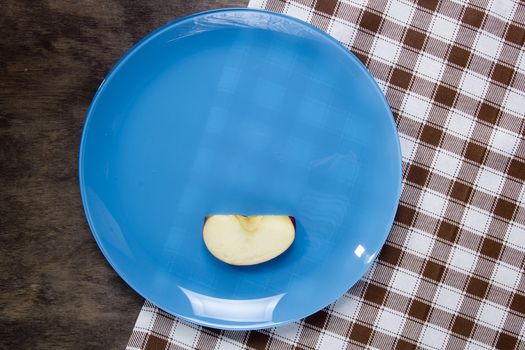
396, 116
461, 192
488, 113
418, 175
257, 340
445, 95
462, 326
459, 56
414, 39
517, 169
318, 319
433, 271
404, 345
362, 57
505, 209
473, 17
405, 215
155, 343
428, 4
375, 294
491, 248
506, 341
475, 152
215, 331
370, 21
390, 254
326, 6
431, 135
400, 78
477, 287
360, 333
448, 231
419, 310
518, 303
515, 35
503, 74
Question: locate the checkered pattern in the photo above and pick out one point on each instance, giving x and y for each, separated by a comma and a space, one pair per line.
451, 273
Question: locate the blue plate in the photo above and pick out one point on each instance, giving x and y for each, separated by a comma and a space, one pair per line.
239, 111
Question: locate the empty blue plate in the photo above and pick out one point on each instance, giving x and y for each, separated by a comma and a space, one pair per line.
249, 112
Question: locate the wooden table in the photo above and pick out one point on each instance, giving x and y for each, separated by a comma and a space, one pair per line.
56, 289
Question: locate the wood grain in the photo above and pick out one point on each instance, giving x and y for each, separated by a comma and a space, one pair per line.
56, 289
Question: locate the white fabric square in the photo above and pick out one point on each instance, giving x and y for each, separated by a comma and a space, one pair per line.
448, 298
459, 123
419, 242
521, 63
487, 45
183, 334
429, 66
474, 84
443, 28
504, 141
476, 220
504, 9
489, 180
358, 3
476, 345
400, 11
408, 145
446, 163
298, 12
433, 203
492, 314
416, 106
341, 31
390, 321
329, 342
506, 275
516, 236
386, 50
515, 101
463, 259
223, 344
257, 3
145, 319
347, 307
289, 331
433, 337
404, 282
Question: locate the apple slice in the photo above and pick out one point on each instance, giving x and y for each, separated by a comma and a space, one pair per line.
248, 240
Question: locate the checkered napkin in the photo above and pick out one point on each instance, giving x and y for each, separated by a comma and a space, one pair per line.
451, 273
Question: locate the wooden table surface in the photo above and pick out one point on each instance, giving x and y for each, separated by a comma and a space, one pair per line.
56, 289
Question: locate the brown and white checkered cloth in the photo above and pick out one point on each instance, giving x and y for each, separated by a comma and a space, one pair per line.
451, 274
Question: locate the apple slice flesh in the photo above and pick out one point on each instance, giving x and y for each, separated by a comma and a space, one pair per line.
248, 240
